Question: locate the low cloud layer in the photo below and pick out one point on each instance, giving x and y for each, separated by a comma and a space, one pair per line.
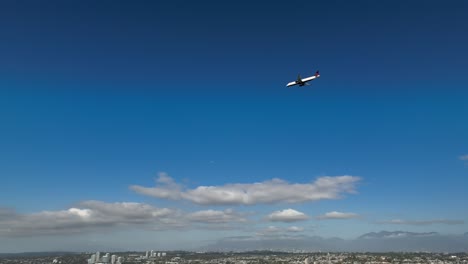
99, 216
87, 216
214, 216
337, 215
422, 222
287, 215
266, 192
279, 231
96, 215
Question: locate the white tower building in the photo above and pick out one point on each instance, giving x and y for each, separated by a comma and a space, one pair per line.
113, 259
98, 257
92, 259
106, 258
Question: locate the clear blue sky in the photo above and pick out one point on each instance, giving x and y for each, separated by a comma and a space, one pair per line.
99, 98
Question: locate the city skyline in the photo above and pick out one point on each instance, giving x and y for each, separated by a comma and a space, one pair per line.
168, 125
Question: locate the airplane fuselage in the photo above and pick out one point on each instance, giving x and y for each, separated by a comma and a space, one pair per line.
303, 81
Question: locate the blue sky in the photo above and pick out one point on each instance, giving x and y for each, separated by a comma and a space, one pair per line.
99, 97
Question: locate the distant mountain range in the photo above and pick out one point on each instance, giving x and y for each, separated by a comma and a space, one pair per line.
396, 234
384, 241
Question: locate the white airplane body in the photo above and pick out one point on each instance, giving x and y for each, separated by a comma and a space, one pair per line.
302, 82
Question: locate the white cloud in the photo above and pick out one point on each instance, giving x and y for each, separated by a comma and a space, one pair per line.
93, 216
127, 210
90, 215
294, 229
266, 192
464, 157
287, 215
337, 215
422, 222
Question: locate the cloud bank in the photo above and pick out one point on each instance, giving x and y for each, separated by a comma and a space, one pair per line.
99, 216
90, 216
266, 192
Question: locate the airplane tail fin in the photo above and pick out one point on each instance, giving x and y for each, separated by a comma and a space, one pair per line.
317, 73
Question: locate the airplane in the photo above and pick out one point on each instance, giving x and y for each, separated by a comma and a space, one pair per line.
302, 82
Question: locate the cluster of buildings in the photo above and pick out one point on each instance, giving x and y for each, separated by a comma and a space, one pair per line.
258, 257
154, 254
106, 259
264, 257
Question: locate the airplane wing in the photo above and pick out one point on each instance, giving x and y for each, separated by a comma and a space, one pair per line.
291, 84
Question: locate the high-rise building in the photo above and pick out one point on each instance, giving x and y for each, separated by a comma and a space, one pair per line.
163, 254
92, 259
159, 254
105, 258
147, 254
98, 257
119, 259
113, 259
